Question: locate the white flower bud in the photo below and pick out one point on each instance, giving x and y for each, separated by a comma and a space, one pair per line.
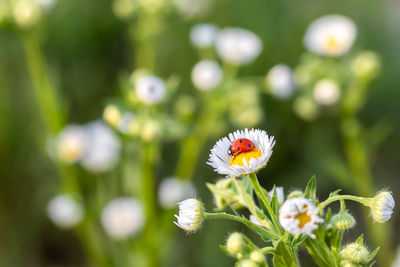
355, 253
280, 81
64, 211
191, 215
326, 92
382, 206
206, 75
150, 89
203, 35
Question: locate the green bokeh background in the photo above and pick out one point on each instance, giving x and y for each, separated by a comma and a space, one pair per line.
86, 48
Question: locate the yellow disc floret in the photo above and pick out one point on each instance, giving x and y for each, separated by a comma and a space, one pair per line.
238, 159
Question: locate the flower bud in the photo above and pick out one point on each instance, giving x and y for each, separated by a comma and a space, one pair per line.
257, 256
305, 108
343, 221
235, 243
355, 253
191, 215
382, 206
112, 115
347, 263
247, 263
294, 194
366, 64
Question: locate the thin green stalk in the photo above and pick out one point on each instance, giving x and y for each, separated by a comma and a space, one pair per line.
226, 216
362, 200
258, 189
149, 153
44, 91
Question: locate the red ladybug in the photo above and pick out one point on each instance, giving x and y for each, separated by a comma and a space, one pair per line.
240, 145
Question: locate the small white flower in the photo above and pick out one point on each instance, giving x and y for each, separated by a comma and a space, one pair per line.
280, 194
203, 34
299, 216
326, 92
150, 89
192, 8
26, 13
245, 162
102, 148
64, 211
281, 81
331, 35
382, 207
46, 5
238, 46
206, 75
173, 190
122, 217
70, 143
191, 215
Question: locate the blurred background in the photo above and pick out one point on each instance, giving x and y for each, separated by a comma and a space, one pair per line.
86, 52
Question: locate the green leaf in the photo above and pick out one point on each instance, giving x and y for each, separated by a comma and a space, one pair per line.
282, 256
335, 193
373, 254
224, 250
311, 189
360, 240
275, 203
320, 252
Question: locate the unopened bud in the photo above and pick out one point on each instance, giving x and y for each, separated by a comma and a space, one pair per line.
343, 220
235, 243
356, 253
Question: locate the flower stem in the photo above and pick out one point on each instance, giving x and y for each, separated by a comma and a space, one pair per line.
362, 200
258, 189
223, 215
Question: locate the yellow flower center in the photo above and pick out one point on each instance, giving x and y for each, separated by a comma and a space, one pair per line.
303, 218
332, 44
238, 159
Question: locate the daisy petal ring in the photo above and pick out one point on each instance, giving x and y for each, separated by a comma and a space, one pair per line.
245, 162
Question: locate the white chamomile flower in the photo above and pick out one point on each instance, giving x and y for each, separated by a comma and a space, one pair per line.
299, 216
64, 211
245, 162
173, 190
122, 217
150, 89
206, 75
280, 194
102, 149
326, 92
238, 46
70, 144
191, 215
280, 81
203, 34
382, 206
331, 35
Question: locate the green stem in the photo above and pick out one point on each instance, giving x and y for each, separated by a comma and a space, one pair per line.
149, 200
258, 189
362, 200
226, 216
45, 94
267, 250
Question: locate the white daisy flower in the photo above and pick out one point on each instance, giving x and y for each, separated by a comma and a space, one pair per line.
206, 75
382, 206
238, 46
71, 143
203, 34
331, 35
280, 81
173, 190
299, 216
64, 211
191, 215
326, 92
245, 162
102, 150
122, 217
280, 194
150, 89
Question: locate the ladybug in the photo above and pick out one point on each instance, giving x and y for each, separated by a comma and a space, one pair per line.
240, 145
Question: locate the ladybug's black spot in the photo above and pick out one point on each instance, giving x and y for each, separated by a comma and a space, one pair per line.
241, 141
249, 145
238, 148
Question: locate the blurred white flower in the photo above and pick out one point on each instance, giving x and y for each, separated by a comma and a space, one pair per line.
191, 215
126, 121
46, 5
122, 217
150, 89
71, 143
173, 190
280, 81
192, 8
102, 148
64, 211
238, 46
26, 13
331, 35
299, 216
244, 162
203, 34
280, 194
206, 75
382, 206
326, 92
